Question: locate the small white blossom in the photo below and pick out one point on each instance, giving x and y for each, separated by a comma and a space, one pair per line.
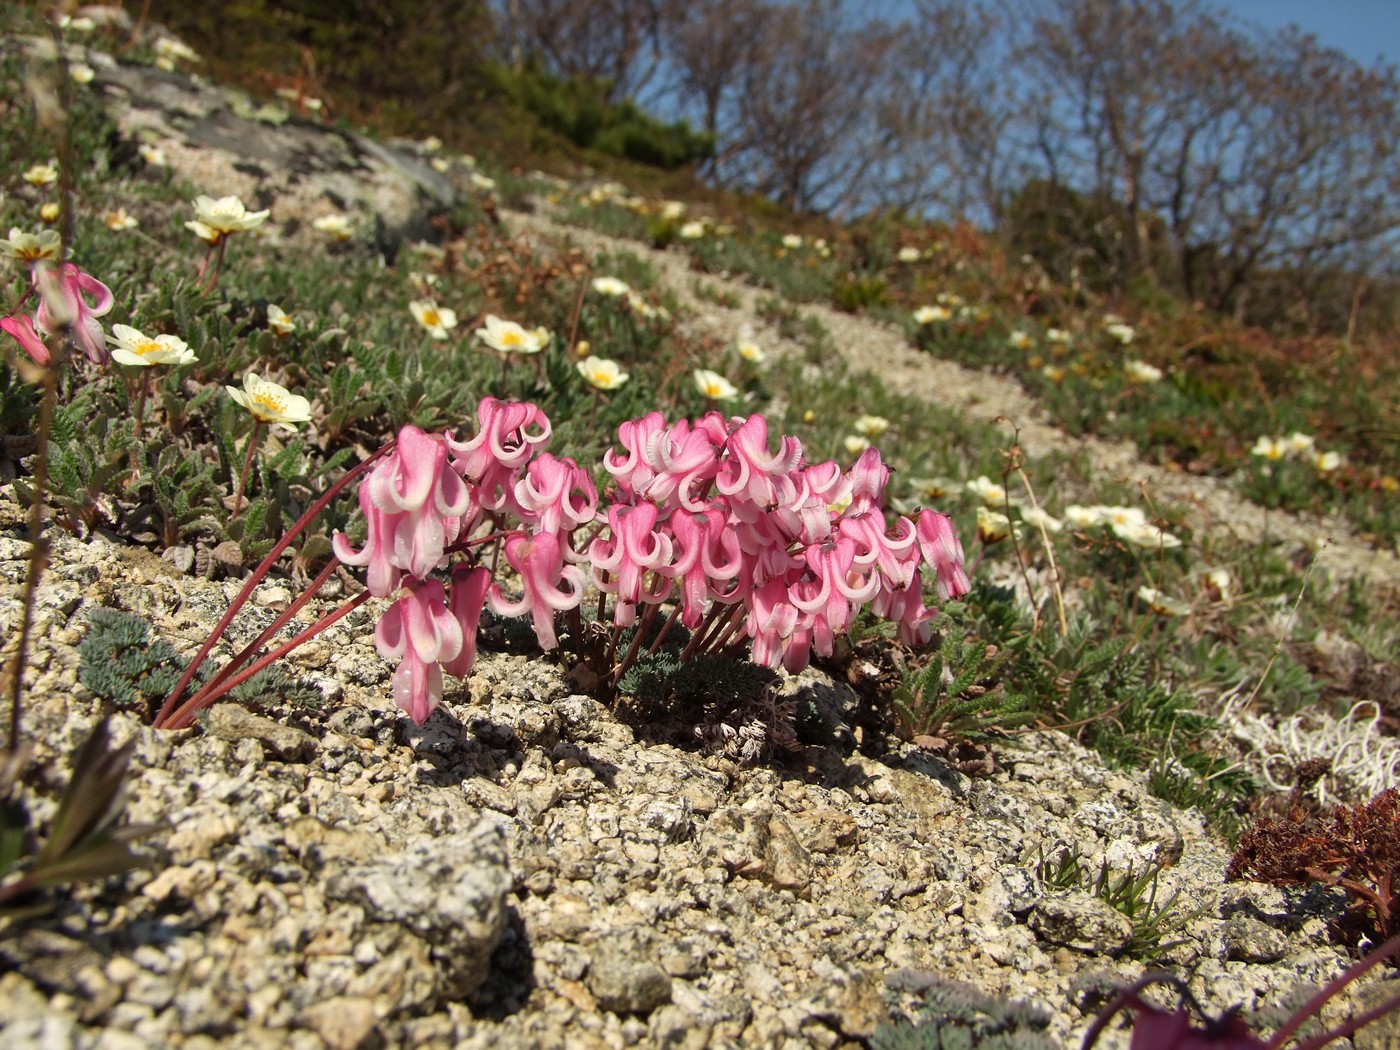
714, 386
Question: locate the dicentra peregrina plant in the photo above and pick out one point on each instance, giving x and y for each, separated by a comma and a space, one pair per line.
752, 544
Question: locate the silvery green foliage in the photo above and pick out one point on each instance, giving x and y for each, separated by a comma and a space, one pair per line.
956, 1016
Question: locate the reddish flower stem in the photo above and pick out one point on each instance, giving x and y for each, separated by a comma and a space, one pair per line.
247, 466
276, 625
183, 717
264, 567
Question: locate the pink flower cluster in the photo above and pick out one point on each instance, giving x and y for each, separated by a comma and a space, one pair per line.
707, 512
700, 512
63, 295
432, 492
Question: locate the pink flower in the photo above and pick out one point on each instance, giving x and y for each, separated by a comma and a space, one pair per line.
382, 574
415, 506
620, 562
868, 479
749, 470
893, 551
779, 630
556, 495
943, 552
539, 560
905, 607
22, 328
419, 631
504, 443
465, 601
684, 459
633, 472
62, 303
831, 590
707, 556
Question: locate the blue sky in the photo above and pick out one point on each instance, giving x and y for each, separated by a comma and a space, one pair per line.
1365, 29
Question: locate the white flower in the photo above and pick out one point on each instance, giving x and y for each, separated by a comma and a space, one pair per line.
1145, 534
1121, 517
749, 350
1057, 335
1219, 582
714, 386
872, 426
49, 211
908, 254
1122, 332
1269, 448
1037, 518
133, 348
482, 182
509, 337
81, 72
170, 49
79, 24
692, 230
31, 247
432, 144
1083, 517
440, 165
992, 526
436, 319
856, 444
792, 240
987, 490
336, 226
1162, 604
611, 286
152, 155
601, 373
270, 402
1299, 444
1325, 462
1019, 340
278, 321
120, 219
216, 219
1141, 372
935, 488
930, 314
42, 174
641, 307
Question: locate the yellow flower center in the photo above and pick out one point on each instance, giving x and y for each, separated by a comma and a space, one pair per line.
431, 319
271, 403
512, 339
150, 346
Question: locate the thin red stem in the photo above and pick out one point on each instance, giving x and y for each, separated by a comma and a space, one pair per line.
247, 466
1314, 1005
276, 625
184, 715
264, 567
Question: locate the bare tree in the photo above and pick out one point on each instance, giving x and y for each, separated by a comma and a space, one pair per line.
800, 111
940, 112
709, 43
1231, 152
615, 41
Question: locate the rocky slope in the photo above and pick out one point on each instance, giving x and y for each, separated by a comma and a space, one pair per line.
527, 870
